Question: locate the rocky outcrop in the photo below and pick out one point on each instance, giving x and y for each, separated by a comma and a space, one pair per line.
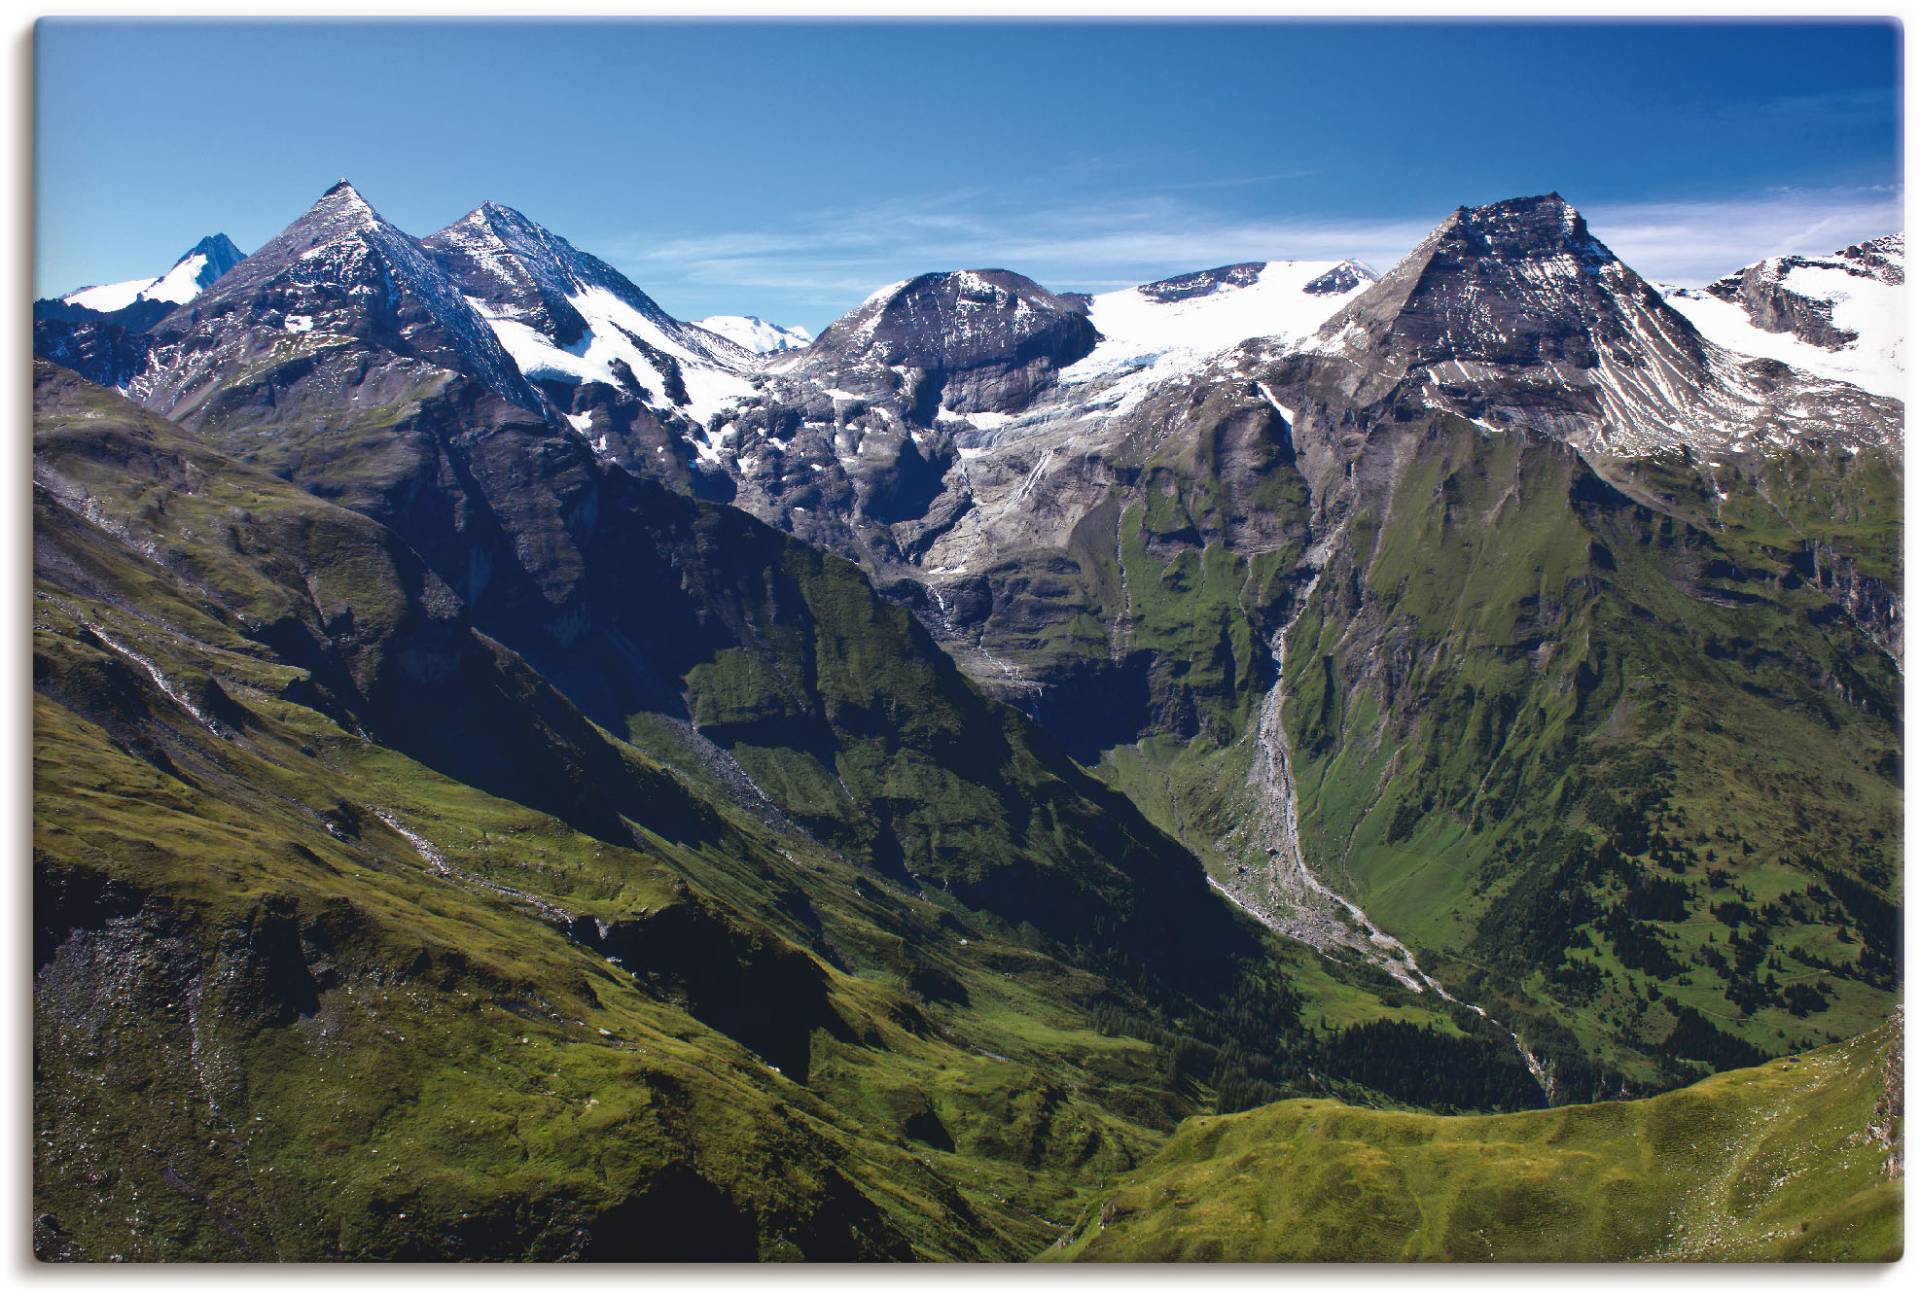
972, 341
1771, 298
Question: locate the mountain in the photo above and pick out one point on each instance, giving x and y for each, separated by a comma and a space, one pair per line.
755, 334
859, 811
1839, 316
1514, 311
446, 732
570, 318
1528, 490
967, 340
338, 290
196, 270
1259, 584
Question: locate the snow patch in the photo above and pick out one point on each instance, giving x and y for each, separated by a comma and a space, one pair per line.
755, 334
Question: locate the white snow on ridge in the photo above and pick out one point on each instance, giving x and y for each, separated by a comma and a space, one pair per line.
1164, 339
756, 334
109, 296
612, 324
1868, 307
183, 282
179, 285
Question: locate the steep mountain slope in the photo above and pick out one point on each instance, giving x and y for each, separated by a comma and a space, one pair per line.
381, 949
1797, 1160
572, 321
1532, 488
196, 270
1515, 314
1841, 316
1564, 720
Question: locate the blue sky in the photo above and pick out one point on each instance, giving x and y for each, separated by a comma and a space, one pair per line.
788, 169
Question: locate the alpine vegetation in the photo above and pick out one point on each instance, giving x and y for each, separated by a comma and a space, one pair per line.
1300, 759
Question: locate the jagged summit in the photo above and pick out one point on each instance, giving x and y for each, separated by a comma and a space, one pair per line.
217, 248
1514, 313
1525, 229
568, 317
195, 269
339, 271
342, 202
1517, 282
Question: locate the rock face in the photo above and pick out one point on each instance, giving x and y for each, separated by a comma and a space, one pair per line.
1203, 283
1840, 316
339, 280
613, 366
973, 341
1778, 300
1514, 314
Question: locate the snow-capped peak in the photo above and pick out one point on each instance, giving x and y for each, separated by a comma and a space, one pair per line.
338, 271
345, 200
196, 270
567, 316
756, 334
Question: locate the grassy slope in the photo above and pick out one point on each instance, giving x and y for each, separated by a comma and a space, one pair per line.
327, 1046
1786, 1161
1609, 761
1591, 734
327, 1039
635, 601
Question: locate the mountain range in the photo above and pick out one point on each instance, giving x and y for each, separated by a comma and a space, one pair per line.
522, 775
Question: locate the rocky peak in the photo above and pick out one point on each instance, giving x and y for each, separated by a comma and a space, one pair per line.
339, 271
1883, 258
1841, 316
1535, 228
1520, 282
952, 319
522, 272
1515, 314
338, 212
1344, 277
221, 253
982, 339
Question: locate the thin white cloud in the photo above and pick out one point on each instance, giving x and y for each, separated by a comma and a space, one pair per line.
831, 259
1695, 242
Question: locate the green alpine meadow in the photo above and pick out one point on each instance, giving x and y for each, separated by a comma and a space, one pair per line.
1392, 756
